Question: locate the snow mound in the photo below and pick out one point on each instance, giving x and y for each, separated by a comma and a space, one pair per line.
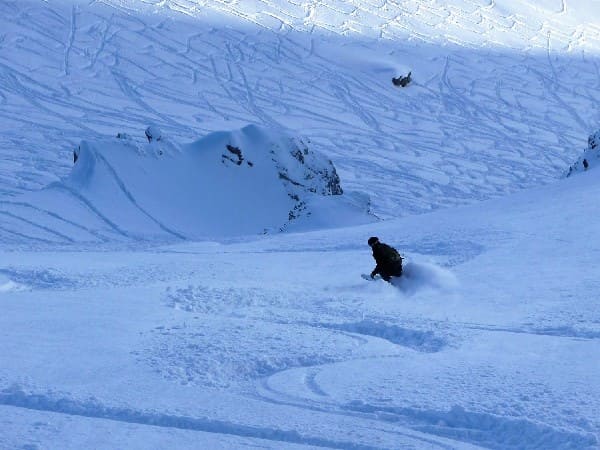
590, 157
228, 183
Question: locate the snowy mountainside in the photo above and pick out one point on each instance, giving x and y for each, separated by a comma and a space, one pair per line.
502, 93
247, 181
276, 341
514, 24
112, 338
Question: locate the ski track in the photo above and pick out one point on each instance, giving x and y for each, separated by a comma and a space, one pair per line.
487, 430
339, 109
477, 428
71, 39
41, 215
423, 341
563, 331
481, 429
92, 409
266, 393
115, 227
232, 74
62, 236
131, 198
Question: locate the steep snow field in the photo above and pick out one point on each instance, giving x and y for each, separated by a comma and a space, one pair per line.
504, 94
142, 303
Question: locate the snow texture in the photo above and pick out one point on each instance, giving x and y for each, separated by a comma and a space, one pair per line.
186, 192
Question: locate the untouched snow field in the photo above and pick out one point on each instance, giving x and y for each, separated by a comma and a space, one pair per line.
164, 330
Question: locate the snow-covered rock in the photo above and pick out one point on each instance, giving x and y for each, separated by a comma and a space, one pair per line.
590, 157
228, 183
153, 133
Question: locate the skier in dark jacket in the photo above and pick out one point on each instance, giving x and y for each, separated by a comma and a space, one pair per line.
389, 261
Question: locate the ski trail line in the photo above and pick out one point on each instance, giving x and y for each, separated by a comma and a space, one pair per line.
92, 409
130, 197
70, 40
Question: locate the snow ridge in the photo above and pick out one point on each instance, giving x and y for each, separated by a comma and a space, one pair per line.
248, 181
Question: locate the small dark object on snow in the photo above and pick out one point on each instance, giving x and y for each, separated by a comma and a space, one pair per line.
76, 155
402, 81
389, 261
237, 152
585, 164
239, 157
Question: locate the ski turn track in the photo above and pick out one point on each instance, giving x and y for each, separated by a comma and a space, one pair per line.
92, 409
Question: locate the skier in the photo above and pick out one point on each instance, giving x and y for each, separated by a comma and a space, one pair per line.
389, 261
402, 81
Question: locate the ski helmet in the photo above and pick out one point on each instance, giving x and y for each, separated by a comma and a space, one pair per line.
372, 240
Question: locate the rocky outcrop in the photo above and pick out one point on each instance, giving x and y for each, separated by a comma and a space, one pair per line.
590, 157
318, 173
304, 171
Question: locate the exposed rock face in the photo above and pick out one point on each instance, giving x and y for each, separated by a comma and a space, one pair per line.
303, 172
312, 171
234, 155
594, 140
590, 157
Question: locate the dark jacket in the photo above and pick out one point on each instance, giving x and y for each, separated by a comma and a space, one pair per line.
389, 261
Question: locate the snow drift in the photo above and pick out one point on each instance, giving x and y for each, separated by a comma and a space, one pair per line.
248, 181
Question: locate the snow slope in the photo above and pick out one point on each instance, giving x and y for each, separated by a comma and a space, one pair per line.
504, 93
112, 338
490, 342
